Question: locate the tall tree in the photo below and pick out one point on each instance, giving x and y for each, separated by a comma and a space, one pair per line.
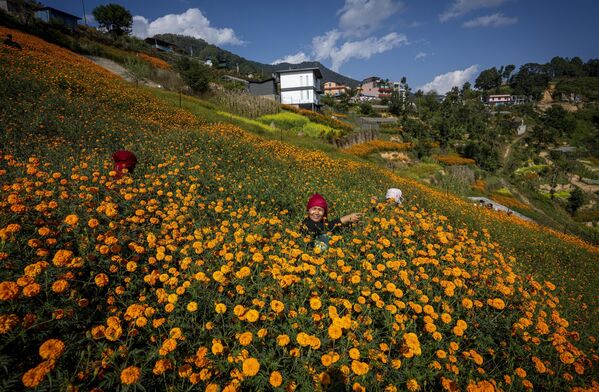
114, 18
488, 79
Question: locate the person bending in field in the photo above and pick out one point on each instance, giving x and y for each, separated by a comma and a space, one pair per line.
124, 161
394, 197
8, 41
317, 224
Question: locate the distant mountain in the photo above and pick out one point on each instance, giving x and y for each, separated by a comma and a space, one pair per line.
224, 59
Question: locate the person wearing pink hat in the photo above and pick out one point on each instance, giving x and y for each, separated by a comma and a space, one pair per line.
124, 159
317, 224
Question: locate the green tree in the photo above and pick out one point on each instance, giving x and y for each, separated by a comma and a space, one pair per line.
196, 75
138, 70
575, 201
485, 155
488, 79
114, 18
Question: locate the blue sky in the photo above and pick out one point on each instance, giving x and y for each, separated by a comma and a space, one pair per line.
435, 44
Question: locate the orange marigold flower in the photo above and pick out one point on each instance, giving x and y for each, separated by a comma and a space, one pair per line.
354, 353
71, 220
277, 306
275, 379
33, 377
252, 315
335, 332
359, 368
8, 290
245, 338
161, 366
283, 340
8, 322
250, 367
62, 257
315, 303
220, 308
413, 385
101, 279
130, 375
60, 286
51, 349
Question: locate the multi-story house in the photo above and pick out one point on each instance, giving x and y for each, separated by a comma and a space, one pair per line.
334, 89
301, 87
375, 88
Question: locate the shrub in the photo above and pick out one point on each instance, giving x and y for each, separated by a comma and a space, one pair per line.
245, 104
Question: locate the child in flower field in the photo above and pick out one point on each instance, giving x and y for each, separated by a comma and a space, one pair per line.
318, 225
124, 159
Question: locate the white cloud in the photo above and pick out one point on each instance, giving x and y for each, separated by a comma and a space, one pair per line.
364, 49
292, 58
324, 45
495, 20
461, 7
420, 55
445, 82
357, 19
191, 22
361, 17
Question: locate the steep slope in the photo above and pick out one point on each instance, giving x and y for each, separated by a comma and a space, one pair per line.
191, 270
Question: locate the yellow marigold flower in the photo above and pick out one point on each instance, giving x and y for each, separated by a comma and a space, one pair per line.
262, 332
220, 308
467, 303
245, 338
252, 315
257, 257
335, 332
354, 353
359, 368
396, 363
130, 375
326, 360
8, 290
51, 349
315, 303
275, 379
101, 279
217, 347
411, 345
413, 385
71, 220
283, 340
192, 306
250, 367
277, 306
496, 303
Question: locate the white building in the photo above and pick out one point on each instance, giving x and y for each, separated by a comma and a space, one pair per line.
301, 87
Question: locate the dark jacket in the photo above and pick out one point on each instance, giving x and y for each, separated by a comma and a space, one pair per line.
318, 228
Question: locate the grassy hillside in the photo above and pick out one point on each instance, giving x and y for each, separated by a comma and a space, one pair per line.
191, 270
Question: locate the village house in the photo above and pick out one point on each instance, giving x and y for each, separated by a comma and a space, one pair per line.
499, 99
161, 46
301, 87
335, 89
375, 88
259, 88
54, 16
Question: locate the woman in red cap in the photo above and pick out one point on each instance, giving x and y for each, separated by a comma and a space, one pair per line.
317, 224
124, 159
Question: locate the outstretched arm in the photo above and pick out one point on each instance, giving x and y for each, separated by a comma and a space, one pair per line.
351, 218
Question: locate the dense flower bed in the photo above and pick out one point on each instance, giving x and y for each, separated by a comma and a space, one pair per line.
190, 273
367, 148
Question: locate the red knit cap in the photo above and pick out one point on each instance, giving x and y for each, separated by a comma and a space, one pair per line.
317, 200
124, 159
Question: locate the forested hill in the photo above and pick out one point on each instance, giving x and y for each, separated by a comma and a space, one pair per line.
570, 76
223, 58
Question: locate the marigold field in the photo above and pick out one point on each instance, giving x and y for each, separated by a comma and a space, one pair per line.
190, 274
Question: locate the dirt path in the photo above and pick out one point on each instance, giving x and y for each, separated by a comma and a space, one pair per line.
118, 69
508, 150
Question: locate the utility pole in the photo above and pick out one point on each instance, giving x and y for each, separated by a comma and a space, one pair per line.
84, 16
